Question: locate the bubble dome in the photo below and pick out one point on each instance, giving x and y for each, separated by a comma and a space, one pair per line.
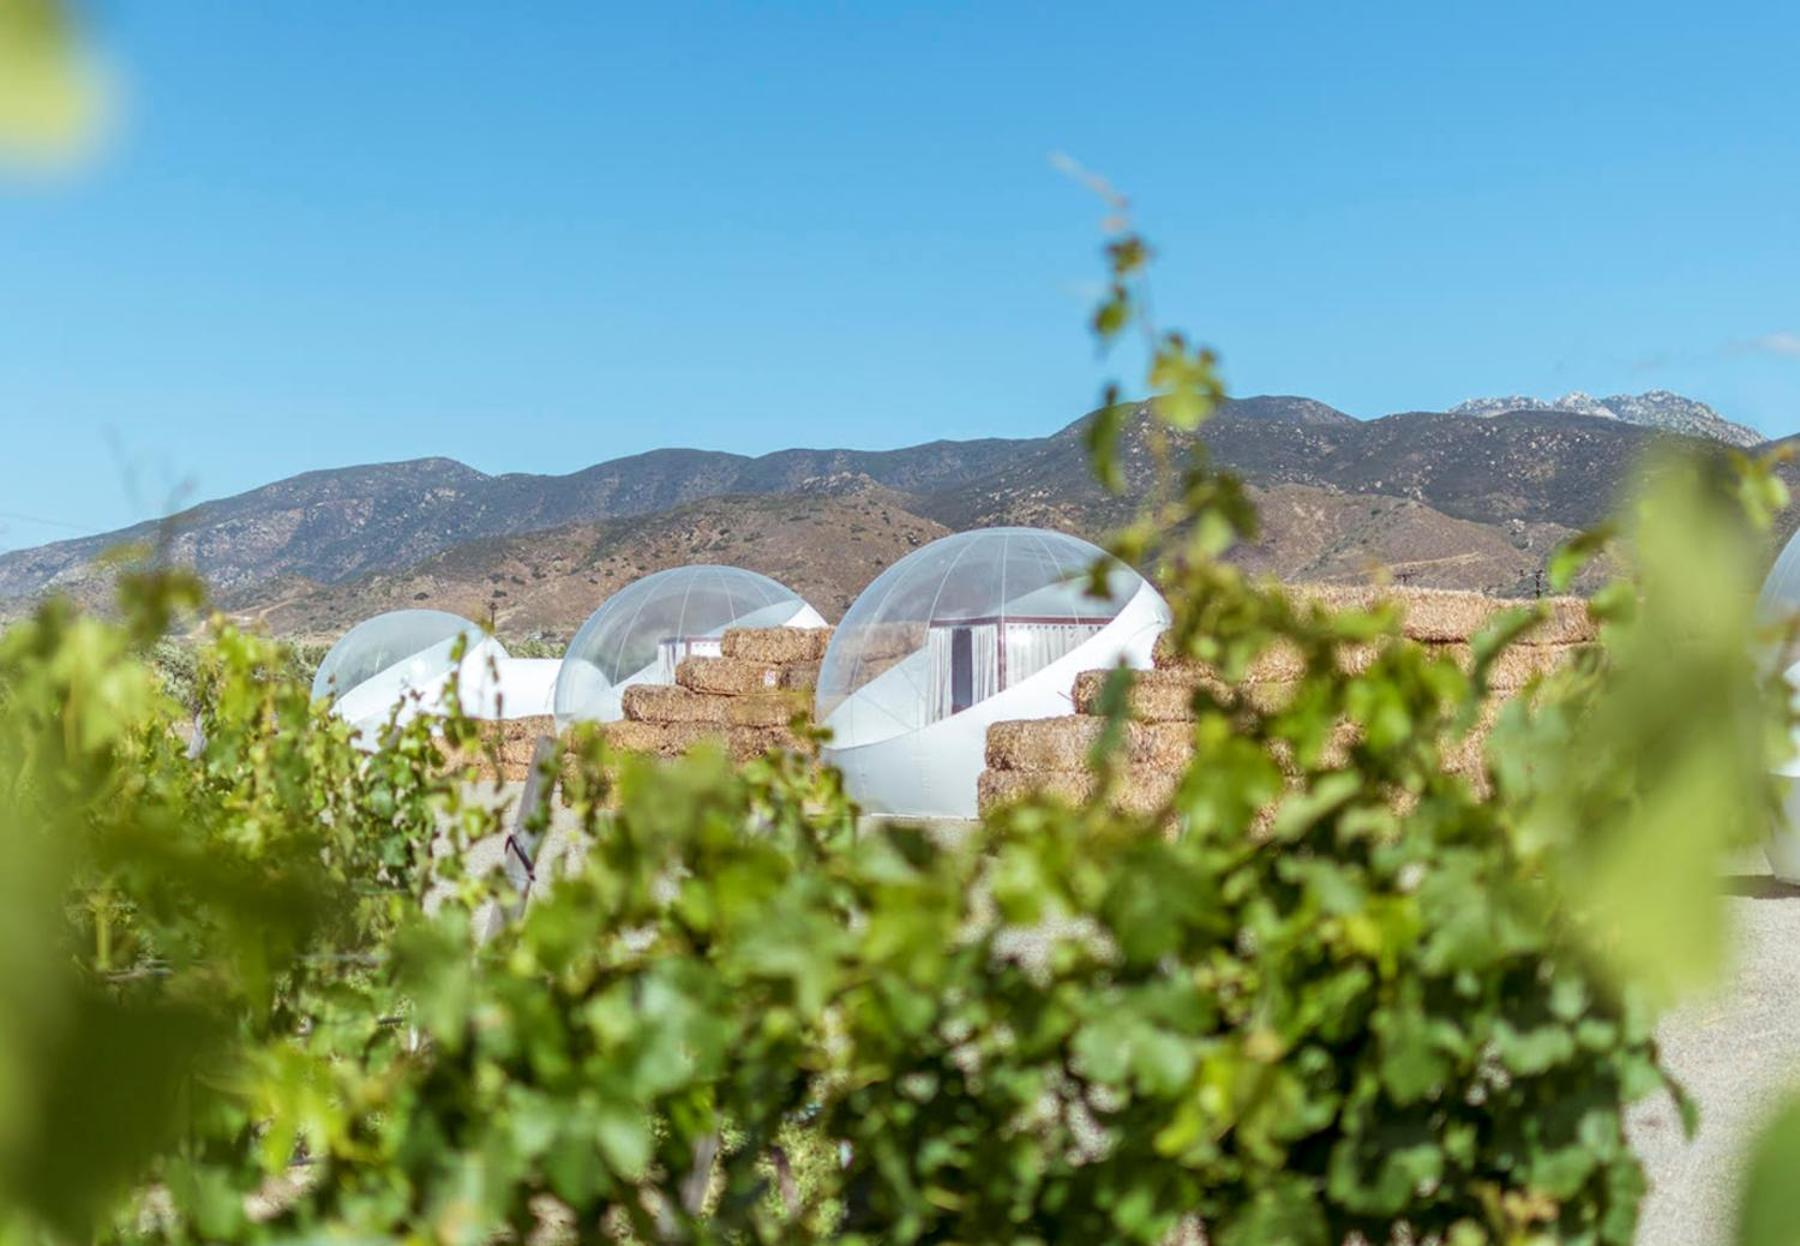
1778, 603
972, 629
404, 655
641, 633
406, 658
1780, 596
384, 643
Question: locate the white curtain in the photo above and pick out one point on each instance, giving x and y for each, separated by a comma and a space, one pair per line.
984, 670
986, 653
937, 689
1030, 647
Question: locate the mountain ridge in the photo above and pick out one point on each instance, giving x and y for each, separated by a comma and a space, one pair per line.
1440, 497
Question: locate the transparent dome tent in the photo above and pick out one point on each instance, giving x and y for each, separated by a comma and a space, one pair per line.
1780, 597
641, 633
973, 629
1778, 603
406, 658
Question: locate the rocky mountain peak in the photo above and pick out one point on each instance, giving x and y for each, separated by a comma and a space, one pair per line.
1657, 408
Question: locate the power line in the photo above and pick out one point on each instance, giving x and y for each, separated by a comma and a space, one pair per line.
48, 523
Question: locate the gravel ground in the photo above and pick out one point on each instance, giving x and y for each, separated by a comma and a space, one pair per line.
1737, 1051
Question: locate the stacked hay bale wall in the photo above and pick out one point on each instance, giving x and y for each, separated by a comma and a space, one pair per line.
746, 698
510, 744
1050, 756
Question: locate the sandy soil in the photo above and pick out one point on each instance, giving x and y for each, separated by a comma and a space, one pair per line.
1737, 1051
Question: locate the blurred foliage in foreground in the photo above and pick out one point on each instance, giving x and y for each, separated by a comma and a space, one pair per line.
50, 91
1329, 990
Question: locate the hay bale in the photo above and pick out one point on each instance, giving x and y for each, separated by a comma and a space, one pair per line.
1160, 747
800, 676
649, 703
1516, 666
1425, 614
1569, 623
1004, 787
729, 677
765, 709
745, 743
1269, 698
1439, 615
655, 703
1140, 792
674, 739
505, 748
1155, 696
1168, 695
1336, 753
1065, 743
1281, 662
1043, 743
660, 739
775, 644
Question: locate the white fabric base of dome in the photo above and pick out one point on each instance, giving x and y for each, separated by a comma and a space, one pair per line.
494, 688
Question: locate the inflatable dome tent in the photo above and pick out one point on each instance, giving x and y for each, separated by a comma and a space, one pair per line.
973, 629
1778, 603
1780, 597
641, 633
406, 658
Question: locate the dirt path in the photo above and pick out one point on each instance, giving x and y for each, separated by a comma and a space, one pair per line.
1737, 1051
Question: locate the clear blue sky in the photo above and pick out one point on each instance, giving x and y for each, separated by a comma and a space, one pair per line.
536, 236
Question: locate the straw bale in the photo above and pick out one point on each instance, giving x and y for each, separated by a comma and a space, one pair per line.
1167, 695
1043, 743
674, 739
1269, 698
800, 676
727, 676
1426, 614
1155, 696
1281, 662
511, 742
1141, 791
745, 743
775, 644
1569, 623
1064, 743
650, 703
1336, 753
1162, 747
654, 703
660, 739
1516, 665
1440, 614
1004, 787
